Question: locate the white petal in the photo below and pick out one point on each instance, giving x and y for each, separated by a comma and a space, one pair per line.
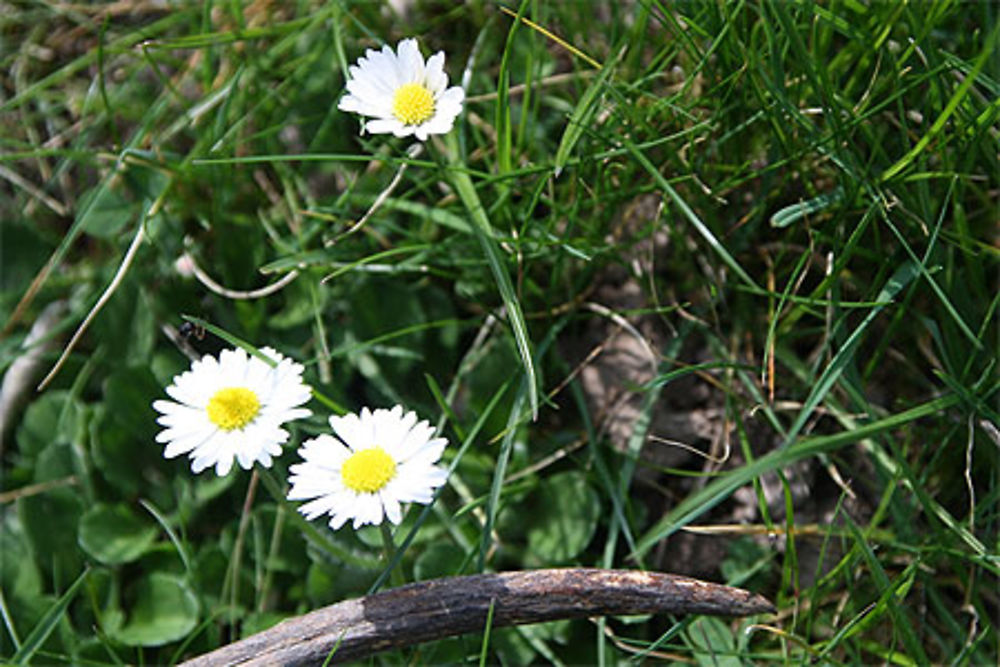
350, 430
405, 131
393, 511
454, 95
369, 510
387, 126
318, 507
434, 77
186, 444
411, 63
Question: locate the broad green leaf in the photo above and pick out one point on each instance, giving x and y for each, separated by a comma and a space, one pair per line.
53, 417
440, 559
123, 429
109, 212
58, 461
50, 522
23, 250
114, 534
511, 647
327, 582
129, 394
165, 610
117, 453
19, 575
714, 642
565, 517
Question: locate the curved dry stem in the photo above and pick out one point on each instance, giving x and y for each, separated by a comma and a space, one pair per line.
239, 295
412, 153
111, 288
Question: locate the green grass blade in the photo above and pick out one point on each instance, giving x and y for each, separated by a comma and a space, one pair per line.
579, 120
902, 277
171, 534
700, 226
499, 474
945, 301
502, 116
48, 622
792, 214
942, 120
890, 592
484, 233
484, 650
718, 490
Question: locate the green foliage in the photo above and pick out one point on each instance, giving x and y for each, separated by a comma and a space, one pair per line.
792, 205
565, 521
165, 609
114, 534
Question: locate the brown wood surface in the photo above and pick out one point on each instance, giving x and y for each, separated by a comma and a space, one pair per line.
455, 605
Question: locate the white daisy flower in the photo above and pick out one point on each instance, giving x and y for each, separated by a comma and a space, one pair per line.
403, 94
377, 461
232, 407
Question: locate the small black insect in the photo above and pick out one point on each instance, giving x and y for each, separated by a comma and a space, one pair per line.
189, 329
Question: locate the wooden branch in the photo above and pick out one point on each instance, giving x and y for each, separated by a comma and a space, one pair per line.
455, 605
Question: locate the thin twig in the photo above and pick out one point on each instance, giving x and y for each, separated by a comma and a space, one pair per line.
412, 153
691, 449
552, 80
57, 207
35, 489
112, 286
239, 295
625, 324
968, 472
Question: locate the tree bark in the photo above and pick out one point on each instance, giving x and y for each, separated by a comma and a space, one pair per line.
355, 629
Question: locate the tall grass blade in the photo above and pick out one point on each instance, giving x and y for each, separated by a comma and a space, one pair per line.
902, 277
718, 490
484, 234
700, 226
579, 120
48, 622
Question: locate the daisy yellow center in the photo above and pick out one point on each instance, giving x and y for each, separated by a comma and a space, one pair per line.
413, 104
368, 471
233, 407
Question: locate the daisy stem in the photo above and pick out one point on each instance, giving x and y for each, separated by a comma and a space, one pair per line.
391, 559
